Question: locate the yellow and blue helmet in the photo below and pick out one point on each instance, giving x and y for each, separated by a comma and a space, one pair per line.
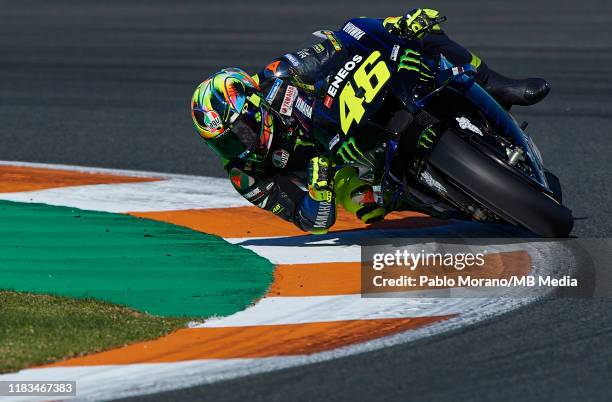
231, 115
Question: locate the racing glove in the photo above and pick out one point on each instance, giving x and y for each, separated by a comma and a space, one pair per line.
320, 186
413, 22
317, 211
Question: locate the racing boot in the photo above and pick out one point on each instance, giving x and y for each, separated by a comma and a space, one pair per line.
509, 91
357, 196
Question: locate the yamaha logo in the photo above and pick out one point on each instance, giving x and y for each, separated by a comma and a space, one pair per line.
290, 95
352, 30
303, 107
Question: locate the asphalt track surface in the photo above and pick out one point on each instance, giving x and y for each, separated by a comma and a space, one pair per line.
108, 84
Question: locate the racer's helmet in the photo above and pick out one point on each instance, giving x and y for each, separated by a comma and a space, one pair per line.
231, 114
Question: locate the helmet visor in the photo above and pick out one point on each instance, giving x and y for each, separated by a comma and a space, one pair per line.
239, 140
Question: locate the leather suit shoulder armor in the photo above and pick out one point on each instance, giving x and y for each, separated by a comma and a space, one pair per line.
306, 68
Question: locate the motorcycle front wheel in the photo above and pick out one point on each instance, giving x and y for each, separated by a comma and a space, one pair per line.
499, 189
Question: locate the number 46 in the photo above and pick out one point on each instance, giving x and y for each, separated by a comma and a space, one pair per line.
351, 106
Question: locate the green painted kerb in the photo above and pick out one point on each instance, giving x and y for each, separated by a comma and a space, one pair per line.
152, 266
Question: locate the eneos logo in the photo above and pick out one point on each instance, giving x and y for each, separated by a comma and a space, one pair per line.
340, 76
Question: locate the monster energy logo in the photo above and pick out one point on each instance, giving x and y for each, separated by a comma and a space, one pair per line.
427, 138
349, 152
411, 60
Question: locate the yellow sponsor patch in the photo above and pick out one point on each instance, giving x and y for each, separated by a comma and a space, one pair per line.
278, 208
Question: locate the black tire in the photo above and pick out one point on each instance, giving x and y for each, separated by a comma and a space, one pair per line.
499, 189
555, 185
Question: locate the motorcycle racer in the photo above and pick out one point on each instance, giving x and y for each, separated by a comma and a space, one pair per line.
262, 127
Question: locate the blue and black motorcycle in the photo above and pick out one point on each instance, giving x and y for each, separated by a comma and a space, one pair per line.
436, 141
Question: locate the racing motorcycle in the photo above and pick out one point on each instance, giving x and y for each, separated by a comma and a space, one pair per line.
438, 142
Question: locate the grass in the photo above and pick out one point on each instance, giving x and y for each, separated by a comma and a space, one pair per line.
36, 329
